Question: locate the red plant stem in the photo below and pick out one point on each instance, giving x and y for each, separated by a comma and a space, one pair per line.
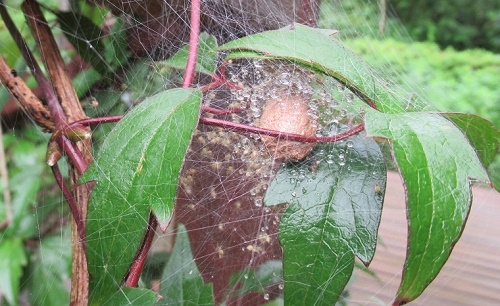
73, 153
92, 121
134, 274
193, 44
238, 127
282, 135
219, 81
55, 108
72, 205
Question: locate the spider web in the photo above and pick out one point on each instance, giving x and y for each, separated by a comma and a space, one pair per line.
225, 174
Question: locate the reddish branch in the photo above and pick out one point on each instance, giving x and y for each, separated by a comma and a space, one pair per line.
135, 270
283, 135
55, 108
134, 273
92, 121
193, 44
72, 205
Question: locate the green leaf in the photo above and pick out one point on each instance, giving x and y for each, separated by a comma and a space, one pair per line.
182, 283
84, 35
206, 62
133, 296
26, 185
50, 271
12, 260
315, 50
335, 202
269, 273
116, 45
437, 164
85, 80
136, 169
482, 135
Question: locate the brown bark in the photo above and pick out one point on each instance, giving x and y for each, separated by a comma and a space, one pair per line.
71, 106
29, 103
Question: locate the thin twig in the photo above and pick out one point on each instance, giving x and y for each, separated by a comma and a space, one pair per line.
193, 44
93, 121
53, 61
220, 81
5, 184
382, 4
73, 153
28, 101
238, 127
55, 108
132, 278
72, 205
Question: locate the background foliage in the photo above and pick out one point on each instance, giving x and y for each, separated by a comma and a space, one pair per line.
462, 24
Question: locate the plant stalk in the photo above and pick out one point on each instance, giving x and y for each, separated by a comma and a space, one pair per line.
132, 278
5, 184
242, 128
193, 44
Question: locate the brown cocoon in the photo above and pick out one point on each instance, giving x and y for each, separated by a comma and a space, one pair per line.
288, 114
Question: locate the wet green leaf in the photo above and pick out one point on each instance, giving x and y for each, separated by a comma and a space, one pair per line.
12, 260
182, 283
205, 62
84, 35
333, 214
136, 169
437, 164
320, 52
269, 273
134, 297
482, 135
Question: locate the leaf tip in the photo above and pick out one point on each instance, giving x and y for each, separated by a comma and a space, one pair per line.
400, 301
163, 227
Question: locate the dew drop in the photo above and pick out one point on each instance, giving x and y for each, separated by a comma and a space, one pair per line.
294, 194
350, 144
284, 78
266, 296
281, 286
245, 276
